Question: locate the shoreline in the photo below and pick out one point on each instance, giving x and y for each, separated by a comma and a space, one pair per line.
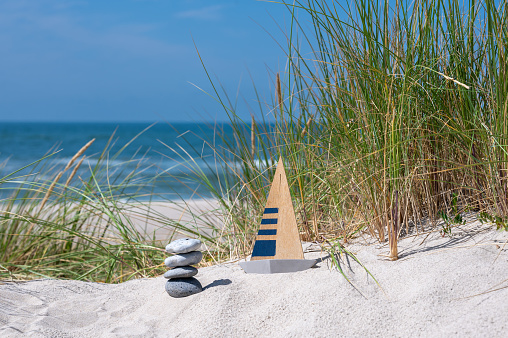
151, 218
148, 217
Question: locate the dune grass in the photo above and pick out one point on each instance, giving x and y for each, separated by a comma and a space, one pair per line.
388, 113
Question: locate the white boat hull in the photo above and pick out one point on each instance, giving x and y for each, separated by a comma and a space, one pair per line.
268, 266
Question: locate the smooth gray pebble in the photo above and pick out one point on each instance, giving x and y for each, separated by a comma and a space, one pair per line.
181, 272
184, 259
183, 287
183, 245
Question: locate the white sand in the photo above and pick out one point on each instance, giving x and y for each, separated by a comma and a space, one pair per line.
426, 290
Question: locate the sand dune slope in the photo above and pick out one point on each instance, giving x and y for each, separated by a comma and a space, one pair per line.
425, 294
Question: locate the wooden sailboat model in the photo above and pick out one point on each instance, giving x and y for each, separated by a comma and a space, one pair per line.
278, 248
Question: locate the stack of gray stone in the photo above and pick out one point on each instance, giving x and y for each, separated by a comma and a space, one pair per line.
181, 281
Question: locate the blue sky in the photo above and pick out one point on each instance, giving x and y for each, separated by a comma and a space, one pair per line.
133, 60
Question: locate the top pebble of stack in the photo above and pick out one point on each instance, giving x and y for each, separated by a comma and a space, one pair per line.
183, 245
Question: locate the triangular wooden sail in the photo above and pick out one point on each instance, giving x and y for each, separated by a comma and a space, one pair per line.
278, 236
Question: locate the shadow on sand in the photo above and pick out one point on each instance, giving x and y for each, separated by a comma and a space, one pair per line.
218, 282
456, 240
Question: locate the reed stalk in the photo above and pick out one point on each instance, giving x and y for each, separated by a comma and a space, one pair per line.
279, 94
79, 153
74, 171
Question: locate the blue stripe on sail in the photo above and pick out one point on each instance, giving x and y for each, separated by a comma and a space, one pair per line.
267, 232
271, 210
269, 221
264, 248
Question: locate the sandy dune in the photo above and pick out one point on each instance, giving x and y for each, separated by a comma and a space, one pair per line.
438, 288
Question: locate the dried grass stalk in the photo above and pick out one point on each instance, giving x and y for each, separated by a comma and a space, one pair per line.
50, 190
279, 93
394, 230
73, 173
306, 128
78, 154
452, 79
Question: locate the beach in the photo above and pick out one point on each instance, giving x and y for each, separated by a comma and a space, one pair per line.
389, 123
440, 286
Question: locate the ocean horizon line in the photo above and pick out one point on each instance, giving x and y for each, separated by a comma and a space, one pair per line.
115, 122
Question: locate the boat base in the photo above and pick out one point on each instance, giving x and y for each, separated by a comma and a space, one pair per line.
268, 266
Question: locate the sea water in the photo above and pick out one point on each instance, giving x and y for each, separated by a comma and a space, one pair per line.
152, 161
